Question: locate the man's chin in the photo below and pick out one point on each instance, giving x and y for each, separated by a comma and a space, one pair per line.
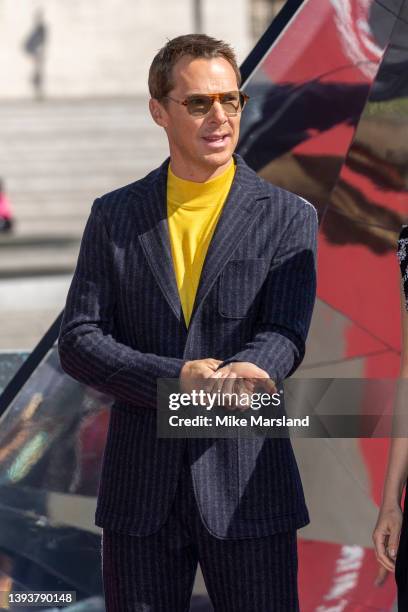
217, 159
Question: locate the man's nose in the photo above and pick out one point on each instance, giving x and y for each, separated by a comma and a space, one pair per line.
217, 112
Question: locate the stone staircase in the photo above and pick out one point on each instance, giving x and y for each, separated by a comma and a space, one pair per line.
55, 158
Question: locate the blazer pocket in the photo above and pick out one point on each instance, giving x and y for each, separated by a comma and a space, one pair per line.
239, 285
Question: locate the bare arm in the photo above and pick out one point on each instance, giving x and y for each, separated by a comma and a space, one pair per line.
388, 528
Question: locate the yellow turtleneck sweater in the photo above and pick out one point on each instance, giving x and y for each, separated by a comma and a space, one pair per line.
193, 210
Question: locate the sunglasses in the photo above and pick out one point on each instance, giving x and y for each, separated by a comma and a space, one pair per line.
199, 105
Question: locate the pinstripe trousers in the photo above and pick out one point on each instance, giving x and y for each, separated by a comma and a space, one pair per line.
156, 573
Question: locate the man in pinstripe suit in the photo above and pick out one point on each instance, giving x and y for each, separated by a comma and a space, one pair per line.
199, 270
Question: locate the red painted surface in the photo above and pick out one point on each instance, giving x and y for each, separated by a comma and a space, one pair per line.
364, 286
338, 27
361, 284
337, 578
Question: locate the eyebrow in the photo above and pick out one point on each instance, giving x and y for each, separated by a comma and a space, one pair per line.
201, 93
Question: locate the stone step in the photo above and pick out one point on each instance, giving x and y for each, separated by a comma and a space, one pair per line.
56, 157
52, 259
28, 212
56, 172
56, 226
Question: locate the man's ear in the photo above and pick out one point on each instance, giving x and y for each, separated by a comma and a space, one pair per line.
157, 112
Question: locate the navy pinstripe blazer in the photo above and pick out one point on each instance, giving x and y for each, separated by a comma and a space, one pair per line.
123, 328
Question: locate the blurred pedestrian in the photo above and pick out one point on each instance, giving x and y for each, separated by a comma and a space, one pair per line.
6, 216
35, 45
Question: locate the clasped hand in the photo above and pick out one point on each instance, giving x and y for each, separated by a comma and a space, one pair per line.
234, 378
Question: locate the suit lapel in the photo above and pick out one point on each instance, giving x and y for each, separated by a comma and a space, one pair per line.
239, 212
155, 239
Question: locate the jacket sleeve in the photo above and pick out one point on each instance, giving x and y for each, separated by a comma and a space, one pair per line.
87, 346
288, 296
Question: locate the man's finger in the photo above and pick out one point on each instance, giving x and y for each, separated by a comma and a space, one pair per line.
240, 389
213, 363
227, 388
269, 385
244, 387
215, 382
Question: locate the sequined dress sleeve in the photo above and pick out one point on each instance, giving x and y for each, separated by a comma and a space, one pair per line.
402, 253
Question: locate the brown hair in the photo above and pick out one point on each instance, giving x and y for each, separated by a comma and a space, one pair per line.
196, 45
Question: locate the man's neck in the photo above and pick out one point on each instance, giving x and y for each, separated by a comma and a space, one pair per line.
198, 174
